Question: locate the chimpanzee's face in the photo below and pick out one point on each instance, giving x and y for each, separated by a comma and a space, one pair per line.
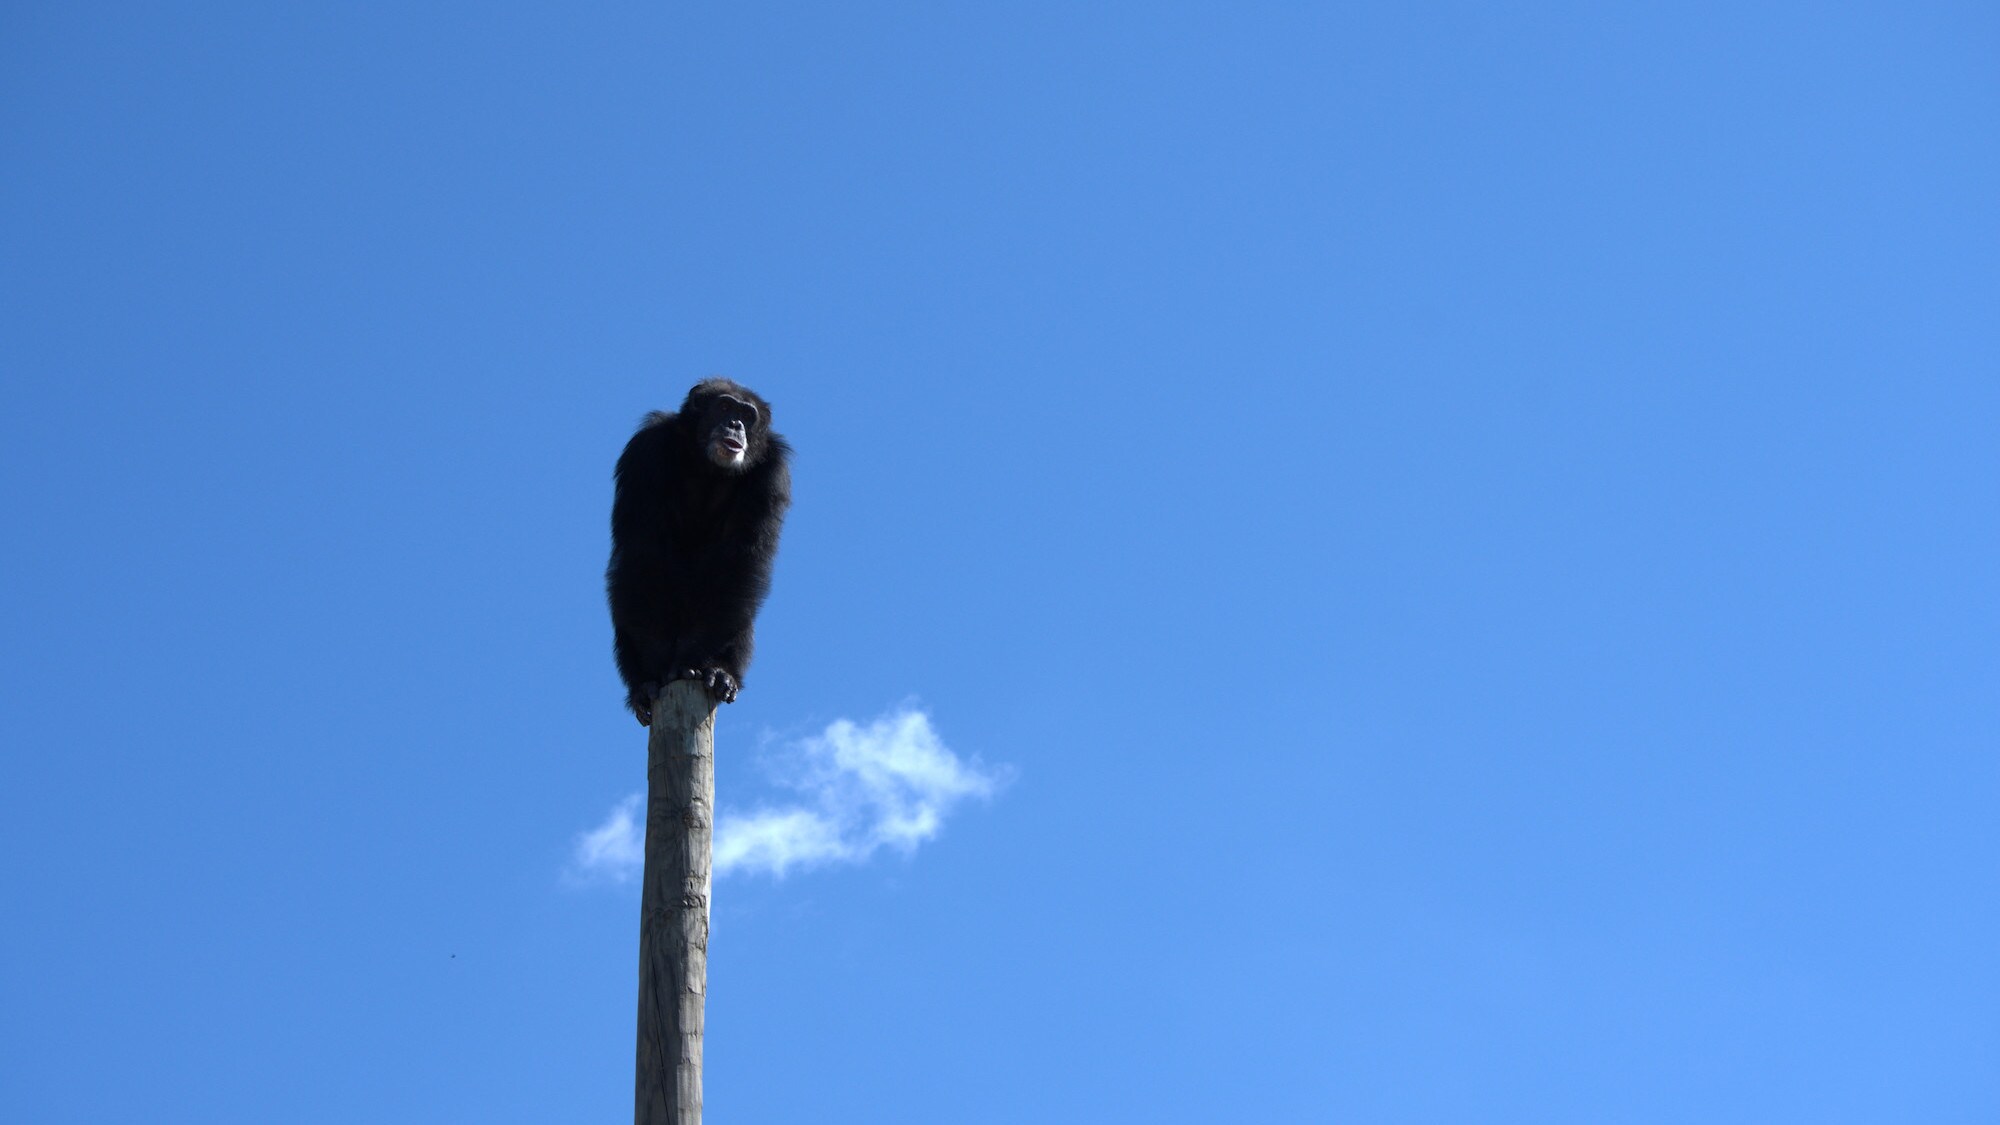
728, 422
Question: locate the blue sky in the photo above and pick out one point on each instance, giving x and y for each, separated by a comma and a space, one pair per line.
1463, 538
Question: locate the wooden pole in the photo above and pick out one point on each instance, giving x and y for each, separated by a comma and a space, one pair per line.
673, 906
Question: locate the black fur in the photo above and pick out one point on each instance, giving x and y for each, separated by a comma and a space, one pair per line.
692, 543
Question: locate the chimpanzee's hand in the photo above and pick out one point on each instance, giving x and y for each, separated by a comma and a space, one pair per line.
721, 685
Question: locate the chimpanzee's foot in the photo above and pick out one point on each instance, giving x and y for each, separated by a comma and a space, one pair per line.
641, 703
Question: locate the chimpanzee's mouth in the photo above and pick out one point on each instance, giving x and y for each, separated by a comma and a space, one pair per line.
730, 445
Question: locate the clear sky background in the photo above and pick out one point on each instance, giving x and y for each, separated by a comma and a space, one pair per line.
1466, 536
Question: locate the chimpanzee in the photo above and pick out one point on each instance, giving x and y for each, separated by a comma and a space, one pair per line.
695, 516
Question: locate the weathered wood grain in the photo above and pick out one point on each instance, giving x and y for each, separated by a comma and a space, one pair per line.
673, 906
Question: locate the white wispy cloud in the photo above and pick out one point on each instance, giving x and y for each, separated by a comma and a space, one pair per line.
858, 790
616, 849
